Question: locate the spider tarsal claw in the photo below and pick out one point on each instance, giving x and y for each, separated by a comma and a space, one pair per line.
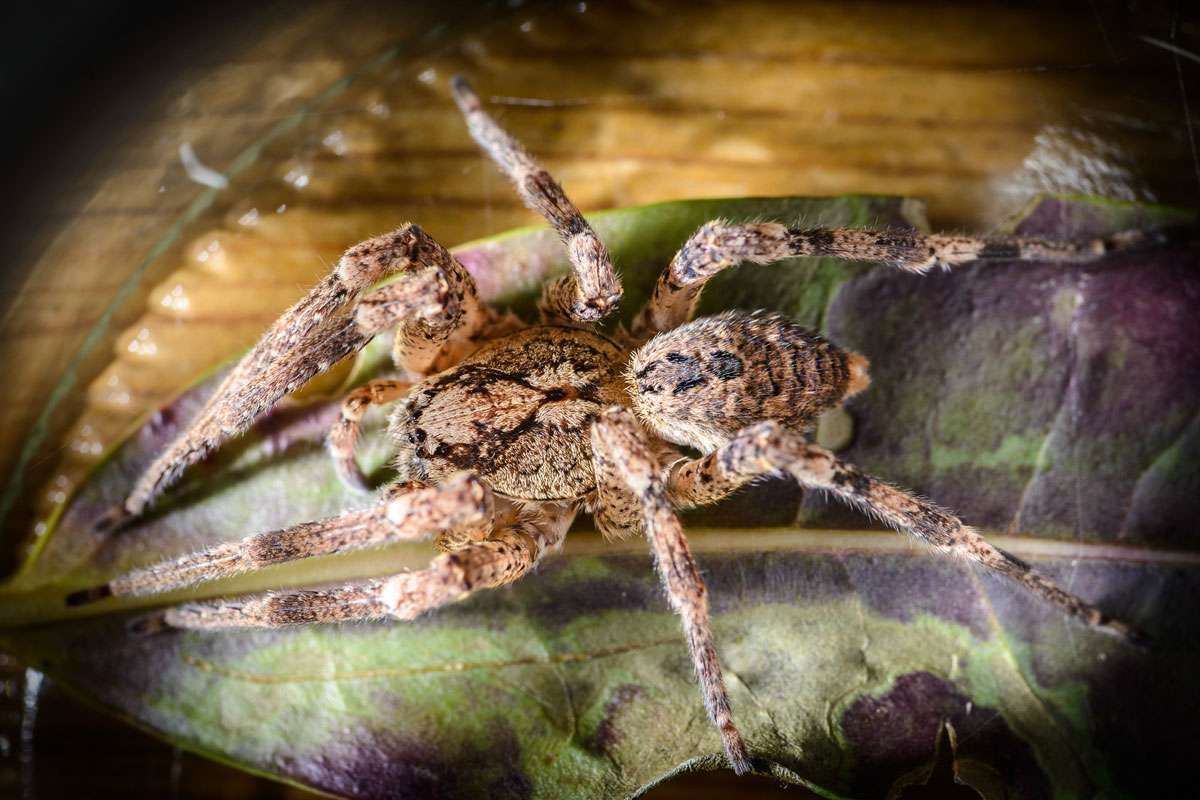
90, 595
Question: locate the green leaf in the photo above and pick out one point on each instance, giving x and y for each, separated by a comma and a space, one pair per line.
1060, 400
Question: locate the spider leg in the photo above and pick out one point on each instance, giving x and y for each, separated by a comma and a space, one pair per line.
618, 511
443, 303
709, 479
310, 337
344, 435
768, 447
461, 506
593, 289
718, 245
618, 439
505, 556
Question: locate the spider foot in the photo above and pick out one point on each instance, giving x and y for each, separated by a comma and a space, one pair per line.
1133, 635
113, 520
735, 749
148, 625
93, 594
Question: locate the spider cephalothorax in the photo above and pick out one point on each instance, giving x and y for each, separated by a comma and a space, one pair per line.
516, 412
504, 431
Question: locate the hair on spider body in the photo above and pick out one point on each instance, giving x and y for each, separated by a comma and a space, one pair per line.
505, 431
516, 412
702, 382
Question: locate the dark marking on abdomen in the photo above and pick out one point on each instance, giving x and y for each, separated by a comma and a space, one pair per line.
726, 365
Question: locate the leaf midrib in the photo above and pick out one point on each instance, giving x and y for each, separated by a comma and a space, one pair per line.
44, 604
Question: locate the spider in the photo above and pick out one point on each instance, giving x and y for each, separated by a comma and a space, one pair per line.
505, 431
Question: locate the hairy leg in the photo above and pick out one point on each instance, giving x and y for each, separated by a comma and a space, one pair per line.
505, 556
768, 447
593, 289
617, 436
344, 435
310, 337
429, 307
718, 245
618, 512
462, 505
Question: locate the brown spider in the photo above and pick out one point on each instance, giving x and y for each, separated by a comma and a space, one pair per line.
506, 431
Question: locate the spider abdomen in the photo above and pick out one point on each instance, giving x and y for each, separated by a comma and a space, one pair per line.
517, 412
702, 382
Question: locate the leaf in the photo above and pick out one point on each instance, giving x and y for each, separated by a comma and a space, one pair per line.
998, 390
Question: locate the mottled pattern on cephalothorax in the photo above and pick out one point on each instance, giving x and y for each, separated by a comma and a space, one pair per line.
702, 382
517, 412
510, 430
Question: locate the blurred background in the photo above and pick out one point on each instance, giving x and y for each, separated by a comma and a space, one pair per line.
179, 175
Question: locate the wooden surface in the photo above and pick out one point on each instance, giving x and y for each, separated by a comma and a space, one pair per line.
140, 279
